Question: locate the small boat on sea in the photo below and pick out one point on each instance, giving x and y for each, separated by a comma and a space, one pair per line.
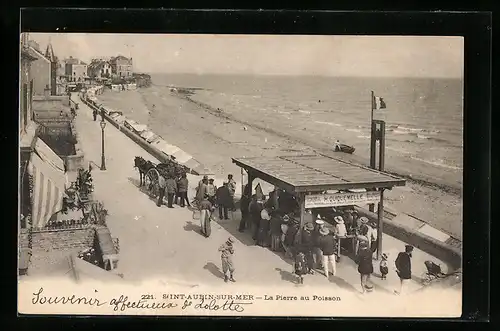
343, 148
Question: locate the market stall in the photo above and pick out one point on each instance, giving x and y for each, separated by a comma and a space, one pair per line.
320, 181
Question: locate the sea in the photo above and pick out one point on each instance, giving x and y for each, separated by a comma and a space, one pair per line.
423, 116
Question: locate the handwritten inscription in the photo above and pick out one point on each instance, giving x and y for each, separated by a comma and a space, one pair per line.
146, 301
206, 302
227, 305
123, 303
40, 299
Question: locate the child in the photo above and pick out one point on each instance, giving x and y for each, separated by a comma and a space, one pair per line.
301, 266
384, 270
227, 251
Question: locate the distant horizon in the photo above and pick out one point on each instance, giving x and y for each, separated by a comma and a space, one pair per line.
276, 55
295, 75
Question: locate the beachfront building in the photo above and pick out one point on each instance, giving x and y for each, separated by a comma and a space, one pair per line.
121, 66
99, 69
43, 69
27, 127
76, 70
47, 189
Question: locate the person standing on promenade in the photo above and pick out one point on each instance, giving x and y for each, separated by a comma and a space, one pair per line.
182, 186
265, 218
202, 189
300, 267
403, 267
327, 245
206, 209
223, 200
365, 265
340, 233
171, 187
94, 114
177, 196
227, 252
255, 208
275, 229
211, 190
308, 245
244, 204
318, 254
162, 185
231, 183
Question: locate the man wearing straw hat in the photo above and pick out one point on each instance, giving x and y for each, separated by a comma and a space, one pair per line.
327, 245
227, 251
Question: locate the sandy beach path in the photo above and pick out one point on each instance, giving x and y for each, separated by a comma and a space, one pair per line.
214, 140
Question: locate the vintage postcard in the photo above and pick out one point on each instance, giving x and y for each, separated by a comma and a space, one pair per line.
240, 175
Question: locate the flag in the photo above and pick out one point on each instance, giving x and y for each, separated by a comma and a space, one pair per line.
378, 103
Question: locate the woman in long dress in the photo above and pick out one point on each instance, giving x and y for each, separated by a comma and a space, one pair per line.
365, 266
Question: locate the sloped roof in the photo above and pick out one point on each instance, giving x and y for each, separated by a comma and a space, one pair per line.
303, 173
97, 64
38, 54
49, 53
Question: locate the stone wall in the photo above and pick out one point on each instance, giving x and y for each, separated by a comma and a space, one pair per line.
50, 240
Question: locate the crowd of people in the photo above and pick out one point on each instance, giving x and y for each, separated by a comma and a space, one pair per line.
274, 223
175, 187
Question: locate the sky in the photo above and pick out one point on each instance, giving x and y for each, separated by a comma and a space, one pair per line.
358, 56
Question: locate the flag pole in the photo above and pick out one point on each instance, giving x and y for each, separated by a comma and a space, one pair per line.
371, 118
373, 144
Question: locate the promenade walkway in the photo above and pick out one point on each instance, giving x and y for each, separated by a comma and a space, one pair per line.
166, 243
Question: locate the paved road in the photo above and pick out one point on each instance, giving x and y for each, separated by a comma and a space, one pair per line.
165, 243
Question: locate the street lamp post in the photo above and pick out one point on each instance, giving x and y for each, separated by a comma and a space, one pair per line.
103, 160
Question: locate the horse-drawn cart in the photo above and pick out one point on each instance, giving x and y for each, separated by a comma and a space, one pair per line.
150, 173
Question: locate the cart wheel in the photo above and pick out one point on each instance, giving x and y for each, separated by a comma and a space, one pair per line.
151, 183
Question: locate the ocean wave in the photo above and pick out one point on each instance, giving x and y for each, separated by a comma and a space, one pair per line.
421, 136
413, 130
353, 130
364, 137
328, 123
304, 111
438, 162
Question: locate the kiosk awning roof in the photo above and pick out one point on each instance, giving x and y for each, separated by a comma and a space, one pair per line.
313, 173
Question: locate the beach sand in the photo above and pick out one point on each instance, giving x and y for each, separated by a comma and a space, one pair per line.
214, 137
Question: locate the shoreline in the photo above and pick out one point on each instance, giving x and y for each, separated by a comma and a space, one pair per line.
421, 179
213, 138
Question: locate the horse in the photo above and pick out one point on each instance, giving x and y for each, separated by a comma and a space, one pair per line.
143, 166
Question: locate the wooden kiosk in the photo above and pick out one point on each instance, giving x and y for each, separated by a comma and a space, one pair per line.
307, 177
